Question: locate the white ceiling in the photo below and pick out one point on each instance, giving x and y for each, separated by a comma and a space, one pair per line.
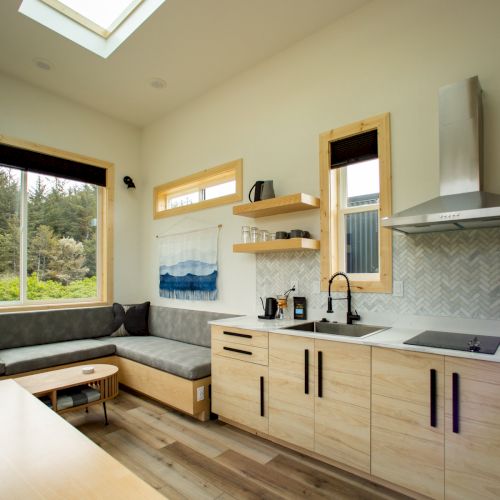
192, 44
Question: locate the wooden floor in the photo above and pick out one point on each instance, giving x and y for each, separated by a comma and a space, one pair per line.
184, 458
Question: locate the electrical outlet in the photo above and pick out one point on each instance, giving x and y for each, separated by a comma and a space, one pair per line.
398, 289
200, 393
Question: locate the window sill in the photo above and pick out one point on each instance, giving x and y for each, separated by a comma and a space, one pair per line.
380, 286
48, 307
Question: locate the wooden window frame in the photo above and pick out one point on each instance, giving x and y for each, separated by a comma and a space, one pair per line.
105, 231
202, 179
87, 23
330, 200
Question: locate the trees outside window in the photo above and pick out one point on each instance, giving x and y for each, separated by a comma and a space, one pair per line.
57, 257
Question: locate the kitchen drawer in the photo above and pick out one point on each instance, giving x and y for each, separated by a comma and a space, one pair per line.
250, 354
240, 336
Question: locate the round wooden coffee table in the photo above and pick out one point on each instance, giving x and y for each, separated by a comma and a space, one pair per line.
70, 389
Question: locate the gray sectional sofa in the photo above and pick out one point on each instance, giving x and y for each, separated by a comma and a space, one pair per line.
169, 365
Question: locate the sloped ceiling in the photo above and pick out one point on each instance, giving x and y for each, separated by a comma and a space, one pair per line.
192, 44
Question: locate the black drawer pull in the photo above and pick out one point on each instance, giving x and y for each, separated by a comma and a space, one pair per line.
320, 374
261, 396
233, 334
240, 351
433, 394
456, 402
306, 371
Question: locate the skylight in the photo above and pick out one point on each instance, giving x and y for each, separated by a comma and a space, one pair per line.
100, 26
101, 17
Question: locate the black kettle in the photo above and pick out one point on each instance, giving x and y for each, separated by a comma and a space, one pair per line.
263, 191
270, 309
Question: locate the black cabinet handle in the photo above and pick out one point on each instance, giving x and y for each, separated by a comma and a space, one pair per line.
232, 349
306, 371
261, 396
433, 391
233, 334
456, 402
320, 374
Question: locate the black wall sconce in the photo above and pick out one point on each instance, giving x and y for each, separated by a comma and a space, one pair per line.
129, 182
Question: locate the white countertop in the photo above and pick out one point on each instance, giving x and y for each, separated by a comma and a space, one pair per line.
392, 338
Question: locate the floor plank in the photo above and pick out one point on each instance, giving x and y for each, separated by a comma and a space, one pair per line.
223, 477
186, 459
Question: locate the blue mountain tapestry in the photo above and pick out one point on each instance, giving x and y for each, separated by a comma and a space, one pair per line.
188, 265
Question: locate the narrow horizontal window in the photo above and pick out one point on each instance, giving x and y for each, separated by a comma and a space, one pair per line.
216, 186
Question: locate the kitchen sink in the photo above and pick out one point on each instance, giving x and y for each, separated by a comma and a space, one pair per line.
337, 328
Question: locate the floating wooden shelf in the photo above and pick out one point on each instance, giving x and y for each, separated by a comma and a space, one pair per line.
274, 206
277, 246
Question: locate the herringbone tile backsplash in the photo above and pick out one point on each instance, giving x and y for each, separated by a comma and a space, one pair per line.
444, 274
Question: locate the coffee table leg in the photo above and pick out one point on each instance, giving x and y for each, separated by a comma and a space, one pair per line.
105, 413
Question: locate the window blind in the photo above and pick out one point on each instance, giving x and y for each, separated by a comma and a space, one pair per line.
40, 163
354, 149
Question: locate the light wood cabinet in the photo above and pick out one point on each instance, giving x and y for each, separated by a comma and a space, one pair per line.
425, 422
472, 451
342, 403
291, 389
240, 390
407, 445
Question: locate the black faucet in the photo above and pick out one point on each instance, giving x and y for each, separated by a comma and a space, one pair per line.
350, 315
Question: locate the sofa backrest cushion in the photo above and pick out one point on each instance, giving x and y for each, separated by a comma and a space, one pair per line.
184, 325
21, 329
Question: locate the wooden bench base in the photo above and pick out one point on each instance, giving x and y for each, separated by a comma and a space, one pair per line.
189, 396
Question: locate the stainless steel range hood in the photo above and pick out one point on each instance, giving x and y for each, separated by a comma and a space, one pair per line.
462, 204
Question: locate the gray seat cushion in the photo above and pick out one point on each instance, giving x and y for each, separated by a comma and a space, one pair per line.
184, 325
181, 359
24, 359
22, 329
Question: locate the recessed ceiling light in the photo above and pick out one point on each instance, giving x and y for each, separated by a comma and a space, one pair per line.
44, 64
157, 83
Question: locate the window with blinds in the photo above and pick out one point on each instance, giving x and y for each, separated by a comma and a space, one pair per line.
355, 182
54, 220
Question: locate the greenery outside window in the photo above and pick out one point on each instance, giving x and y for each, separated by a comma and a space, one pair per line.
212, 187
55, 230
355, 178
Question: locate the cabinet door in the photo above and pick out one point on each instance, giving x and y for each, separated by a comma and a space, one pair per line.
408, 419
291, 389
240, 392
342, 403
472, 451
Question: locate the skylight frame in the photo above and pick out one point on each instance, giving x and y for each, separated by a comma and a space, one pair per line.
51, 18
88, 23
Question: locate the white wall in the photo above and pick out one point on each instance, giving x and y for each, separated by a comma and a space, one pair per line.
34, 115
391, 55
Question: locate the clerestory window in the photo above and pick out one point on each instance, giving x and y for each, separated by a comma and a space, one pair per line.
212, 187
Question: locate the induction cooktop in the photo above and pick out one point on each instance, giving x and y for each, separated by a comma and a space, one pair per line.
483, 344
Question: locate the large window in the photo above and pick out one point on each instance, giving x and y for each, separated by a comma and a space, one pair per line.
209, 188
54, 240
356, 189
